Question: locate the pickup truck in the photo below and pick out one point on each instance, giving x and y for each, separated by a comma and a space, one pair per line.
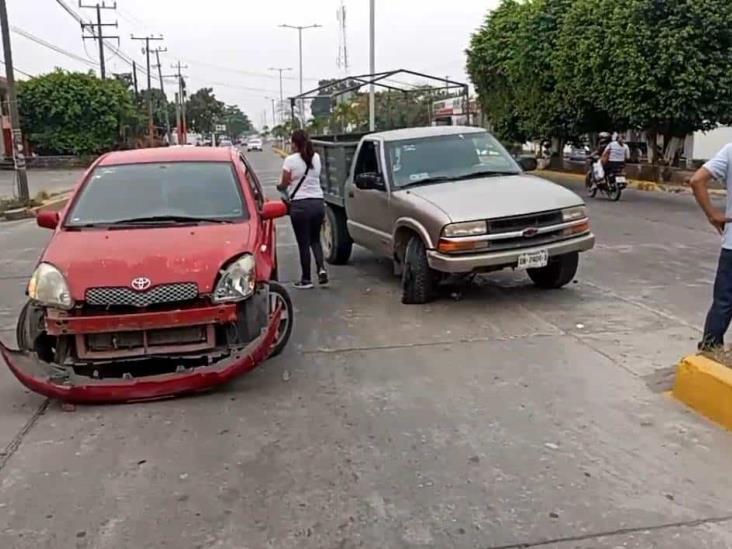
446, 201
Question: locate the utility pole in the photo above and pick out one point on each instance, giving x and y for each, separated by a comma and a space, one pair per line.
177, 119
147, 51
281, 70
299, 30
181, 101
96, 31
134, 78
18, 155
158, 51
372, 64
274, 116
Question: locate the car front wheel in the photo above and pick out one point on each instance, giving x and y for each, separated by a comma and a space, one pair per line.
560, 271
278, 296
418, 280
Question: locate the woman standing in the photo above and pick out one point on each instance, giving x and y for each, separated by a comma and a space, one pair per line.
301, 173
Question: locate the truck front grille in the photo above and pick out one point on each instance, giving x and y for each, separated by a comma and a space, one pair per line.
522, 222
126, 297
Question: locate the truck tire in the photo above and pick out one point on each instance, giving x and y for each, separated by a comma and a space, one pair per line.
558, 273
278, 295
334, 237
418, 280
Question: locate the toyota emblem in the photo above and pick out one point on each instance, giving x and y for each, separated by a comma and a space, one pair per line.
140, 283
531, 231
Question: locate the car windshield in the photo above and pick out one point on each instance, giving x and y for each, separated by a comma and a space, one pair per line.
160, 192
448, 158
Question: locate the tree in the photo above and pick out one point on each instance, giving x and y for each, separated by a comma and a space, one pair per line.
75, 113
204, 111
237, 123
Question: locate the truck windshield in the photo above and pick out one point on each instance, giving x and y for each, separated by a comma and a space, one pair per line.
201, 191
448, 158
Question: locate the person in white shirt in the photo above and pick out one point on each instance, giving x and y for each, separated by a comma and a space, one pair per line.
301, 174
615, 155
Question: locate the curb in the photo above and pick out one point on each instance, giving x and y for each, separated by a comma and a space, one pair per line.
705, 386
648, 186
279, 152
54, 205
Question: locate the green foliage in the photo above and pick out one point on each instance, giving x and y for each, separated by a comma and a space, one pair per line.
74, 113
561, 68
237, 123
204, 111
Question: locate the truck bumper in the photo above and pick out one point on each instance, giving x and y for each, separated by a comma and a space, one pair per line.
506, 258
53, 381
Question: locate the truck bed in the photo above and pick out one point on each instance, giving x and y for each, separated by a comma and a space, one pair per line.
336, 157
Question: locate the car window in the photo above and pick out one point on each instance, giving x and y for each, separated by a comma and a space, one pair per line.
194, 189
368, 161
253, 181
450, 156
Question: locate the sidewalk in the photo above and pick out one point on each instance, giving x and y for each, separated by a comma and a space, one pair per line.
50, 181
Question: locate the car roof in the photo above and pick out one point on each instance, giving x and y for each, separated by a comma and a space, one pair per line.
167, 154
426, 131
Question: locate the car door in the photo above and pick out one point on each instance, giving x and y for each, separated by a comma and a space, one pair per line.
367, 209
266, 239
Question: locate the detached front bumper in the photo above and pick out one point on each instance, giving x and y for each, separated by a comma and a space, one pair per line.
467, 263
56, 382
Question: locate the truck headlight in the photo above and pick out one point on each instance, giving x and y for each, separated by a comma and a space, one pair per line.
574, 214
468, 228
237, 281
48, 287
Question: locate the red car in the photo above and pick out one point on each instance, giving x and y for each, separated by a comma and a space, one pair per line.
159, 280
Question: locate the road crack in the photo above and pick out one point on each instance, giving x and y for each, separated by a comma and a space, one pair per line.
617, 532
15, 443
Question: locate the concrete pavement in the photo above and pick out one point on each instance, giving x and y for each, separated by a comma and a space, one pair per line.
50, 181
511, 418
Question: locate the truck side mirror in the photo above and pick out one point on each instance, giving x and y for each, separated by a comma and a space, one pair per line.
528, 163
366, 181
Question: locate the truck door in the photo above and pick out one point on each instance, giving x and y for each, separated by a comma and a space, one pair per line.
369, 222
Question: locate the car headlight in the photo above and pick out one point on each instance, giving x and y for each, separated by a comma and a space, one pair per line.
237, 281
468, 228
574, 214
48, 287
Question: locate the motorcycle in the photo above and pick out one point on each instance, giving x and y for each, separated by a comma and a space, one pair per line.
610, 184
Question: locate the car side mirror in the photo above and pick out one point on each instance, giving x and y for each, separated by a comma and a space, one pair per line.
528, 163
366, 181
47, 219
273, 209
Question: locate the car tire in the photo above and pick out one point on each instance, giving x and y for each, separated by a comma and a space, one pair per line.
278, 294
22, 335
418, 280
560, 271
334, 238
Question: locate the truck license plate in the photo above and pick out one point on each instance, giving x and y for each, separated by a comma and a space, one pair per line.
533, 260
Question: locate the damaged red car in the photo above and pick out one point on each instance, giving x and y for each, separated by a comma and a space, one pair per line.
159, 280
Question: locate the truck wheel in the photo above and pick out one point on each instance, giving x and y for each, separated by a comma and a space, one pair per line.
418, 280
278, 295
558, 273
334, 237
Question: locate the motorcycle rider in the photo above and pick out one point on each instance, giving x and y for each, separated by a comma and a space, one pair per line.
603, 140
615, 155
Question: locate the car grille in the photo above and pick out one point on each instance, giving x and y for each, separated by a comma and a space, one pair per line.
521, 222
121, 297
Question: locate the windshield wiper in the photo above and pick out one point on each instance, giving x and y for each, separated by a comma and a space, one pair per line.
486, 173
157, 219
427, 181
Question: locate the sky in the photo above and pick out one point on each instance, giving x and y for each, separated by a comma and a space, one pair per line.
230, 45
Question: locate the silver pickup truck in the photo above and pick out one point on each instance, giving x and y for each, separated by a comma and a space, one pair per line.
443, 201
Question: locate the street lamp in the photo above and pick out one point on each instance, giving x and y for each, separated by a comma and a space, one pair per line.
299, 30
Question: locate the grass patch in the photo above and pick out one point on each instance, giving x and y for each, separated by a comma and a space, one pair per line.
14, 203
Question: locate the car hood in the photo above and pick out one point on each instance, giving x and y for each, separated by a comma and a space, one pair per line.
494, 197
113, 258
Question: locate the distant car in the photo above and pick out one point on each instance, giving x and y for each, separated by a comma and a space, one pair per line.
254, 145
579, 154
225, 142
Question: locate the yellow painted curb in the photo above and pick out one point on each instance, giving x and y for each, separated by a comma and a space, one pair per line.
279, 152
705, 386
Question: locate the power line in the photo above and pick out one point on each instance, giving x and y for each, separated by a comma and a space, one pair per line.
53, 47
246, 73
16, 69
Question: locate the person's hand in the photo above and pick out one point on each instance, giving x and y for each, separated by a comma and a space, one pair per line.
718, 220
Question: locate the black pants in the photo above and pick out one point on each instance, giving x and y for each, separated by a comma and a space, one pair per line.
307, 218
720, 315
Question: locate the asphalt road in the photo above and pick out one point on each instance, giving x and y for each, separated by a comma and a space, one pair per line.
511, 418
